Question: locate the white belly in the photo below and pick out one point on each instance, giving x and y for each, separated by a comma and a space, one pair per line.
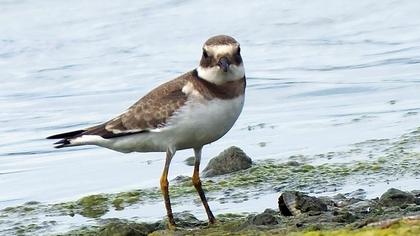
196, 124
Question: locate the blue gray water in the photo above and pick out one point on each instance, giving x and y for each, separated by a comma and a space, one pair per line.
322, 75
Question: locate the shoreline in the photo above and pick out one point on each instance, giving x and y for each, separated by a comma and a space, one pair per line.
388, 160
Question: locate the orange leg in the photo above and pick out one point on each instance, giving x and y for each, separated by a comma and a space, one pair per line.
197, 184
164, 187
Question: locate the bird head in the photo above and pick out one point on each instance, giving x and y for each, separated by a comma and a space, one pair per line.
221, 60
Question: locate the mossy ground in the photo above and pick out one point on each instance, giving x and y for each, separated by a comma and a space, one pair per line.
383, 160
238, 226
403, 227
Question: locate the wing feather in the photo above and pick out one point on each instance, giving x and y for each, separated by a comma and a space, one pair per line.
150, 112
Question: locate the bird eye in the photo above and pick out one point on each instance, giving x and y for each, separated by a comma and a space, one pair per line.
205, 55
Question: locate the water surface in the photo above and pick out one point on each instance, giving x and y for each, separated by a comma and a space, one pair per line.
321, 76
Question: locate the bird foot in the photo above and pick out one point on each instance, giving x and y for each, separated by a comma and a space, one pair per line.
171, 226
212, 221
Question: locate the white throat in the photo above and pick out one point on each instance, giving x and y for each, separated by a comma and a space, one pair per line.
216, 76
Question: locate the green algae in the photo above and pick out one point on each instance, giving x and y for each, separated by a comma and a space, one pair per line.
384, 160
118, 204
24, 230
93, 206
97, 205
92, 230
239, 225
121, 200
230, 216
25, 209
262, 177
403, 227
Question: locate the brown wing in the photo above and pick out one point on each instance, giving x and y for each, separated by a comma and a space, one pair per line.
150, 112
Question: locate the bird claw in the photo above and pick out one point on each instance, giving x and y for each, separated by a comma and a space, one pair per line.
171, 226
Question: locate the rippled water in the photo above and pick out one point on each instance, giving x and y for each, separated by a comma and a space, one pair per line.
321, 76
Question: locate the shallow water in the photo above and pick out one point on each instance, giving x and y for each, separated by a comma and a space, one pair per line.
321, 76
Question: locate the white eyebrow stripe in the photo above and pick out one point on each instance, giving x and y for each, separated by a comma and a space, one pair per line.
217, 50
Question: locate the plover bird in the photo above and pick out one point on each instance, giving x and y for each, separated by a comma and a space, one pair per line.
195, 109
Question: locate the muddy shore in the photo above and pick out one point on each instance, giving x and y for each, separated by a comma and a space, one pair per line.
394, 212
301, 175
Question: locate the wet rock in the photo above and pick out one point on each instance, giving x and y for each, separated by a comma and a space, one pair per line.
348, 199
268, 217
187, 220
230, 160
184, 220
328, 201
358, 194
182, 179
124, 228
395, 197
344, 217
338, 197
189, 161
363, 207
416, 193
292, 203
293, 163
412, 208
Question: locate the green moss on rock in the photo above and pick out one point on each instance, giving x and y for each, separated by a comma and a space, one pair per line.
94, 206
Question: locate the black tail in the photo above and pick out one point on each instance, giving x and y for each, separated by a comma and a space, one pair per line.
65, 137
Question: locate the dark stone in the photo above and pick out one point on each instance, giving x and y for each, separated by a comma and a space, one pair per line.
293, 163
268, 217
416, 193
357, 194
328, 201
345, 217
299, 224
395, 197
292, 203
339, 197
230, 160
184, 220
363, 207
182, 179
412, 208
123, 228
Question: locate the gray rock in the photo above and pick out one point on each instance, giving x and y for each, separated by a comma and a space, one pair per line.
124, 228
230, 160
292, 203
184, 220
344, 217
182, 179
328, 201
395, 197
293, 163
358, 194
364, 206
268, 217
339, 197
416, 193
